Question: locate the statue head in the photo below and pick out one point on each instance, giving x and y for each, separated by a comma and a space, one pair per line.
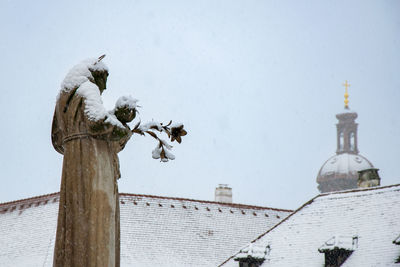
100, 78
99, 74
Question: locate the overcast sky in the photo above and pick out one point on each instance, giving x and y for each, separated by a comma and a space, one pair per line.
257, 85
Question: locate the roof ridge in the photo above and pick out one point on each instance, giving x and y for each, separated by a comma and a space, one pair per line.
29, 199
236, 205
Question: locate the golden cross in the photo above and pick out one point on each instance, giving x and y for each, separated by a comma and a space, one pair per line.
346, 85
346, 95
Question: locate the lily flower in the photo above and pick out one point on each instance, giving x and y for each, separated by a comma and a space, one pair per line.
177, 132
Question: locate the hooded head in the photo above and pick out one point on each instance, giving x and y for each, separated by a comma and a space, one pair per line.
92, 69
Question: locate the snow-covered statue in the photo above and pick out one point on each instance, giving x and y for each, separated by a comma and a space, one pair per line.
89, 137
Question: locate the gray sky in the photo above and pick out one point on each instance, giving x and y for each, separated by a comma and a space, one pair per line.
256, 83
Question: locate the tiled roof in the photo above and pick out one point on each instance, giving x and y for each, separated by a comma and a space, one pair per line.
155, 231
27, 231
372, 216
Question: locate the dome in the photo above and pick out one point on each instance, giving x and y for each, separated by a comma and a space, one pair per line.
340, 172
344, 164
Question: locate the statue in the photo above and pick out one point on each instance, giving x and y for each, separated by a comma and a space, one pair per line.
89, 137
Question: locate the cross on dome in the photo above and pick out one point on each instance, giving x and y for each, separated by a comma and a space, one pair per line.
346, 95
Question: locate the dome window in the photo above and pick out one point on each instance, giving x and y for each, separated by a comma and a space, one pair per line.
341, 141
352, 146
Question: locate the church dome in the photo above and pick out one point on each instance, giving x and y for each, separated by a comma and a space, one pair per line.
340, 172
343, 164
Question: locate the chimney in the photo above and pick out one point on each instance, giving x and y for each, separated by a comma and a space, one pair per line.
223, 193
368, 178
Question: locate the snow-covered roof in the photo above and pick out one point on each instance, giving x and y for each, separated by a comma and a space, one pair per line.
348, 243
155, 231
370, 218
253, 251
345, 163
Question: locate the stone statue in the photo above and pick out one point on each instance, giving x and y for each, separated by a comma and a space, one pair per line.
88, 231
89, 137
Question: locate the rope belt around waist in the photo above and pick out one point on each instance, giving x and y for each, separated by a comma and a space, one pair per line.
76, 136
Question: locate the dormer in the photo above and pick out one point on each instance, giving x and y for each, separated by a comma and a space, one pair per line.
252, 255
368, 178
337, 249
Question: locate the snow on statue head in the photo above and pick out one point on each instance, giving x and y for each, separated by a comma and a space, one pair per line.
92, 69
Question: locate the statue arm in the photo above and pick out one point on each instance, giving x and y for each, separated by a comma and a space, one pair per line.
105, 130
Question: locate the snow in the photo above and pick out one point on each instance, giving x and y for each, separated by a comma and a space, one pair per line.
156, 153
166, 145
348, 243
158, 150
126, 101
148, 125
168, 154
28, 232
80, 73
94, 108
372, 215
176, 125
155, 231
78, 77
254, 251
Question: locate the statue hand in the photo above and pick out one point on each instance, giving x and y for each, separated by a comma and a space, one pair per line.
125, 114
